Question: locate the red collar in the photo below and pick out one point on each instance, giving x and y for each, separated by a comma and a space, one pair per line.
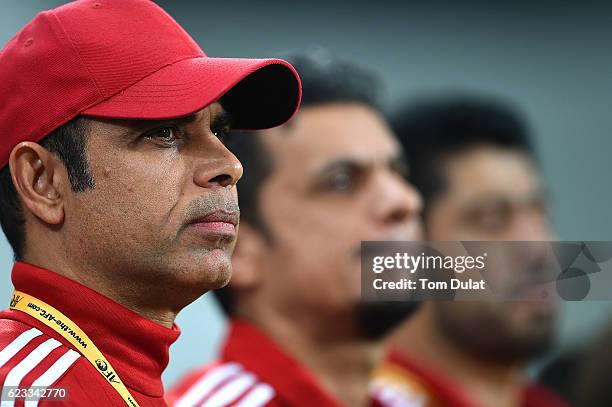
292, 382
136, 347
441, 387
446, 389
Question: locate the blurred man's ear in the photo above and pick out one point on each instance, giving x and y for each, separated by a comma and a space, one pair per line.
248, 260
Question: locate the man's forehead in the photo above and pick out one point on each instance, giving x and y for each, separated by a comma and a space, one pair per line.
324, 134
492, 172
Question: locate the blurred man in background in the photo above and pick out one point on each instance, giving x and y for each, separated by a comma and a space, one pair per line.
312, 191
474, 164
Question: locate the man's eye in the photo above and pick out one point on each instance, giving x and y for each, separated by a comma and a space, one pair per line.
341, 181
493, 218
221, 132
166, 135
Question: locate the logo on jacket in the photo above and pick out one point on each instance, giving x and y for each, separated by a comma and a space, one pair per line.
15, 300
103, 367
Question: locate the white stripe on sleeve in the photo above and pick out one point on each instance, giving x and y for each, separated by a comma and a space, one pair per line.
258, 396
17, 373
54, 372
18, 343
207, 383
230, 391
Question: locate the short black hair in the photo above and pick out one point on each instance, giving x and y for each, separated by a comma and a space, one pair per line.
435, 129
325, 80
68, 142
328, 79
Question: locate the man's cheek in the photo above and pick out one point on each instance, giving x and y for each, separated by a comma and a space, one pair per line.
150, 198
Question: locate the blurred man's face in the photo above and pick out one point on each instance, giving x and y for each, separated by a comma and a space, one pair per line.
338, 179
492, 193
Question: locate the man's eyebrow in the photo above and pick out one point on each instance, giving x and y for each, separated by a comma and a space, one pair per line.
398, 160
137, 126
344, 163
182, 120
222, 118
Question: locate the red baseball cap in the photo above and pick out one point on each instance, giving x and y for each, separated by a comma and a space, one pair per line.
128, 59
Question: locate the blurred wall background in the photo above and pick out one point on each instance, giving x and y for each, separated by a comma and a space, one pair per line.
551, 58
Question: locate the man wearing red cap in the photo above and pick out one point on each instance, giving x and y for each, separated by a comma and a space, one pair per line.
117, 193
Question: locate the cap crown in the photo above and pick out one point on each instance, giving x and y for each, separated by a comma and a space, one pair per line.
78, 55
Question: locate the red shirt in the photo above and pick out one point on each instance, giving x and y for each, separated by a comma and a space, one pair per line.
402, 382
32, 354
252, 372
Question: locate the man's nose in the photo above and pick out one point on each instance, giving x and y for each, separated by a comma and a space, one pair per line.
398, 201
531, 226
221, 170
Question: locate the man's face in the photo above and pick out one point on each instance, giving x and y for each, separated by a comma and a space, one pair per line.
164, 203
493, 193
490, 193
338, 179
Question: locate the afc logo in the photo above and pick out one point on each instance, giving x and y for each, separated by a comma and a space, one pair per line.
103, 367
15, 300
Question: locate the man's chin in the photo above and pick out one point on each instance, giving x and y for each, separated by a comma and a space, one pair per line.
209, 270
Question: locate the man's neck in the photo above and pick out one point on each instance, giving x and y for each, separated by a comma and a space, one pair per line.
132, 295
487, 384
341, 362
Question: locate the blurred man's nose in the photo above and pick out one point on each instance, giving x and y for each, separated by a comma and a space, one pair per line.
532, 226
397, 201
222, 169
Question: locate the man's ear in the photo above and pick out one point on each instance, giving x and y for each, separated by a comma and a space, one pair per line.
39, 178
248, 266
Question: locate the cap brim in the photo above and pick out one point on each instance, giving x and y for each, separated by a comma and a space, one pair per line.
258, 93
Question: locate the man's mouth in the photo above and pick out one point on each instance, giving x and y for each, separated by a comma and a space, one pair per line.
218, 222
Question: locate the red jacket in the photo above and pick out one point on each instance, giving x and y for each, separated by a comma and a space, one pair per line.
32, 354
252, 372
402, 382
